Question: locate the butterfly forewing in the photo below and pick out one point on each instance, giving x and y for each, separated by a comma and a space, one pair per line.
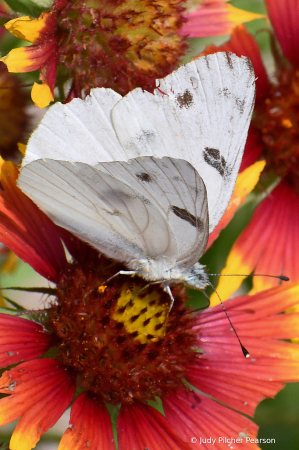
80, 131
201, 112
223, 86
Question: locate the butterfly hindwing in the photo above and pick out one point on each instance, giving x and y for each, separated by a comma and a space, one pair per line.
97, 208
176, 189
130, 220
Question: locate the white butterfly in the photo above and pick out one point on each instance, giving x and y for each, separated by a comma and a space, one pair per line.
146, 178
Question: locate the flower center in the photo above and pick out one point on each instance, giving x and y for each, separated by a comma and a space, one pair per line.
277, 119
121, 44
118, 336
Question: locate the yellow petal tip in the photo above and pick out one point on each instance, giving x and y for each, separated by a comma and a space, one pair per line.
248, 179
26, 28
234, 266
22, 148
41, 95
238, 16
18, 60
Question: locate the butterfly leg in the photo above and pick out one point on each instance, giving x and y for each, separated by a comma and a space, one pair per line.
167, 289
121, 272
143, 289
147, 285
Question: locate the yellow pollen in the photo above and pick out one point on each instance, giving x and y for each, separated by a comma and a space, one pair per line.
142, 313
101, 289
286, 123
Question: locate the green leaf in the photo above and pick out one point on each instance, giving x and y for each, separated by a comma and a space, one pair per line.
27, 7
4, 443
11, 312
30, 315
3, 21
46, 4
15, 304
38, 290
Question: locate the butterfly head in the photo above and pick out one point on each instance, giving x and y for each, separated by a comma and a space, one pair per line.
196, 277
164, 269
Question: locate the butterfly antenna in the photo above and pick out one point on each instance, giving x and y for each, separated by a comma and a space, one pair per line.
280, 277
244, 350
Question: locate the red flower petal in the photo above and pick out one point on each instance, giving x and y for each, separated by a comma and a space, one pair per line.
269, 244
279, 254
245, 183
197, 418
21, 340
3, 13
40, 391
284, 15
49, 30
48, 72
243, 43
140, 426
27, 59
214, 18
90, 426
26, 230
258, 321
253, 149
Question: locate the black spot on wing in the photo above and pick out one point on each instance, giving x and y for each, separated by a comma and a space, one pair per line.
206, 59
149, 135
141, 139
185, 100
176, 178
225, 92
118, 197
249, 66
143, 176
112, 213
188, 217
213, 158
240, 104
229, 60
